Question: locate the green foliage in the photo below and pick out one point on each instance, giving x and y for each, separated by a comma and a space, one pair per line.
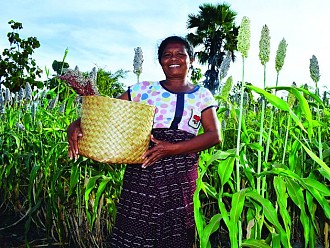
16, 64
108, 83
69, 202
58, 66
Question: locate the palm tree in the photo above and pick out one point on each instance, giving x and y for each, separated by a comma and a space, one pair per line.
215, 32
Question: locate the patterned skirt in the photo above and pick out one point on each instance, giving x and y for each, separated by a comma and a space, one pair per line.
156, 204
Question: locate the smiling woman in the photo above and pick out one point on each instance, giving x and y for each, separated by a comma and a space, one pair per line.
156, 204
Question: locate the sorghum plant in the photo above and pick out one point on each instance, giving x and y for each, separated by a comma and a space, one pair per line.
138, 61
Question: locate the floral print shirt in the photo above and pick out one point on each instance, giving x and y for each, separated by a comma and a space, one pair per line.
175, 110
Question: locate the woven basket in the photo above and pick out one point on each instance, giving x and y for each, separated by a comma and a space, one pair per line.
115, 131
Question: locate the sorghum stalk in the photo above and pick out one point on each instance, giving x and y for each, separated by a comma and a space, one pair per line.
315, 75
137, 63
314, 72
280, 56
243, 46
264, 52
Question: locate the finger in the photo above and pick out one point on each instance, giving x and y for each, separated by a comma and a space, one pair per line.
70, 154
75, 141
150, 160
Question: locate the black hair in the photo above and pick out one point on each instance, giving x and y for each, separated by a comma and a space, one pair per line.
175, 39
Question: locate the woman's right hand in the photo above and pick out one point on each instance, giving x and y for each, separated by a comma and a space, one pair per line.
74, 134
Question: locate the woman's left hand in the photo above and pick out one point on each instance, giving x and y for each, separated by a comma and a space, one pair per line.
160, 150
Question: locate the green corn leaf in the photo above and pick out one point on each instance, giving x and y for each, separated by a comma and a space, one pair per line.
230, 225
210, 190
282, 196
90, 186
276, 240
312, 213
320, 198
273, 99
297, 196
303, 104
225, 169
199, 218
278, 103
312, 183
255, 243
74, 178
256, 146
293, 159
306, 92
210, 228
325, 170
269, 212
100, 191
237, 205
33, 174
222, 155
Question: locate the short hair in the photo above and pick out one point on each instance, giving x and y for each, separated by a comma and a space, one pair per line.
175, 39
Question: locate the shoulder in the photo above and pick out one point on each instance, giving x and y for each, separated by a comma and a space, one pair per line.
143, 85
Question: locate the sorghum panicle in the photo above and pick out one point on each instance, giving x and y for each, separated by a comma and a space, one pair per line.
81, 85
243, 38
280, 55
2, 104
138, 60
224, 67
2, 100
28, 92
20, 126
21, 95
8, 97
34, 110
264, 45
62, 108
314, 69
227, 88
52, 103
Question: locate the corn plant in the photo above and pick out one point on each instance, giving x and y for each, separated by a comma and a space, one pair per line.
271, 189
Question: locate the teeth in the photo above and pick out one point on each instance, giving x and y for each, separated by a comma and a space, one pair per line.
174, 65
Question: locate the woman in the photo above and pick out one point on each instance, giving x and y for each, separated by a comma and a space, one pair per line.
156, 204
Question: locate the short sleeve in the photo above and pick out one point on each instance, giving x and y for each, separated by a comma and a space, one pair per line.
207, 100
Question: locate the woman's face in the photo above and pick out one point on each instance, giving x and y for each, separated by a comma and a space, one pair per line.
175, 61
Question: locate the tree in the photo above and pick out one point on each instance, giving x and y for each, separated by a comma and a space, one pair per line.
108, 83
216, 33
16, 65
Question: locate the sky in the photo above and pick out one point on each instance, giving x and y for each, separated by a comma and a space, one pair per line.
104, 33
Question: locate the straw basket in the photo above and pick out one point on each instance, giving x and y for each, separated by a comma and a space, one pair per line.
114, 130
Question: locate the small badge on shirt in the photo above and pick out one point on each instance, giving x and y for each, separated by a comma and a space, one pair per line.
195, 120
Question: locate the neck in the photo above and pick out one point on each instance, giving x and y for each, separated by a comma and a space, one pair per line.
178, 85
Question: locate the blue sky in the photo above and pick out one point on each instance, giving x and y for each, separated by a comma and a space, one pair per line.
104, 33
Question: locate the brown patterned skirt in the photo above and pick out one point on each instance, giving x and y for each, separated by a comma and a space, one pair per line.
156, 204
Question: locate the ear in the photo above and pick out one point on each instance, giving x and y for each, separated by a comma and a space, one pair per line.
191, 62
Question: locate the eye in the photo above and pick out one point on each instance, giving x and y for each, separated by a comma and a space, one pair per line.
166, 55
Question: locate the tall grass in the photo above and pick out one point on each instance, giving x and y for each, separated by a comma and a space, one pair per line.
58, 201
